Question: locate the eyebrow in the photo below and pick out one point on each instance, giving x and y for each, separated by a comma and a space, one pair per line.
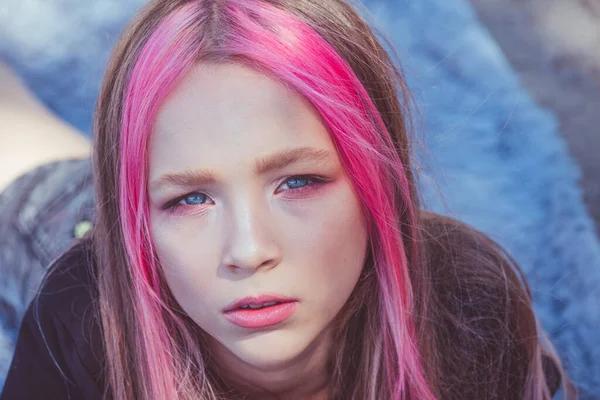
262, 166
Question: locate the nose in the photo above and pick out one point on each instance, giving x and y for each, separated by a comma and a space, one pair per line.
250, 243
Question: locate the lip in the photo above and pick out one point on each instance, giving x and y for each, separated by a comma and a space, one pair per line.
262, 317
257, 301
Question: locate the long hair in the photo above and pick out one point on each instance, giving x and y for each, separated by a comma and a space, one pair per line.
392, 335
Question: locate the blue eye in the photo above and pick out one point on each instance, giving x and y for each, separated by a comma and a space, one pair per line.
297, 182
193, 199
300, 182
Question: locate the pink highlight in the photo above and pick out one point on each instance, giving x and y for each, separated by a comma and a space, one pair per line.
357, 129
262, 36
168, 54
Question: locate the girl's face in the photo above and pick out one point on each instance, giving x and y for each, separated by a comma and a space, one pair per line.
250, 205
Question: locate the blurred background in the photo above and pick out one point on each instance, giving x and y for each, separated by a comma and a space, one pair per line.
508, 96
554, 47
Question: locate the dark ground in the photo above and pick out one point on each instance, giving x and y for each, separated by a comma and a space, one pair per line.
554, 45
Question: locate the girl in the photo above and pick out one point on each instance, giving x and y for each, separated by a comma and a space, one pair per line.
258, 231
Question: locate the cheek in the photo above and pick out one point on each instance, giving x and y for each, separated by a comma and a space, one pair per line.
334, 255
186, 259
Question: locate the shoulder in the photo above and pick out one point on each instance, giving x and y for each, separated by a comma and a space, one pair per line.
485, 328
60, 346
70, 284
69, 297
469, 264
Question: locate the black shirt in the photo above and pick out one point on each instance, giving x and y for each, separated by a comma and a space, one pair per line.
59, 348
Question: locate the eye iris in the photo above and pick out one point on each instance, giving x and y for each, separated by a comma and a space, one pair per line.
297, 183
193, 199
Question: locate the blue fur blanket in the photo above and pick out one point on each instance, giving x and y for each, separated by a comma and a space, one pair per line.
489, 155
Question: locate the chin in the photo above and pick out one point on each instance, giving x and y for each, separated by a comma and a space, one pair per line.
270, 351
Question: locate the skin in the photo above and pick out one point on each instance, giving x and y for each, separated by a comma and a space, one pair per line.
248, 232
30, 134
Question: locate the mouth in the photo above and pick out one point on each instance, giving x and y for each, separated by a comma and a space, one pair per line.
259, 306
260, 312
258, 302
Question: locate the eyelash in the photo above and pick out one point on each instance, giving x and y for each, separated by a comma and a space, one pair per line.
313, 181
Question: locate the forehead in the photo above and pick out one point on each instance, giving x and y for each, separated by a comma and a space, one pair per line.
228, 114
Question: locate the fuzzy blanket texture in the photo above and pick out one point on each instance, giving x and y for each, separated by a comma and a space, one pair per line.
489, 156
